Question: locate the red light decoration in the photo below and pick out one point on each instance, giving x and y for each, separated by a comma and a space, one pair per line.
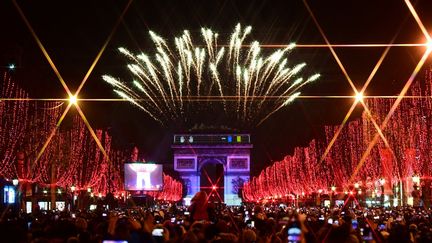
172, 190
408, 134
71, 158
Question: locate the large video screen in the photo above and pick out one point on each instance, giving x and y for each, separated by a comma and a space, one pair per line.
143, 177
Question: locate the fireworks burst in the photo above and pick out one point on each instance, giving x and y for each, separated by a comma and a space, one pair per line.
243, 83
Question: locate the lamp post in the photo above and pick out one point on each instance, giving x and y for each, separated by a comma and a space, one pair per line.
382, 182
15, 182
73, 188
416, 179
416, 192
333, 190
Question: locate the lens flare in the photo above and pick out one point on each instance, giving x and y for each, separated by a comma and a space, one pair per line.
359, 97
73, 100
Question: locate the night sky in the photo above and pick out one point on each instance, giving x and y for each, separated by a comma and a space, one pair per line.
74, 31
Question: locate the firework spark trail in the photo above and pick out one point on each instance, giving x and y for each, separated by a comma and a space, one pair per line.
209, 69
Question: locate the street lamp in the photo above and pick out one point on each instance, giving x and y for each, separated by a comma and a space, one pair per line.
382, 181
73, 100
356, 185
416, 192
416, 179
15, 182
73, 188
359, 97
333, 189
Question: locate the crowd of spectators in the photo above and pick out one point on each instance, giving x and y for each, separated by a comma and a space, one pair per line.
207, 222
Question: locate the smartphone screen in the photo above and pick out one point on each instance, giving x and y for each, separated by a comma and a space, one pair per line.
354, 223
294, 234
157, 232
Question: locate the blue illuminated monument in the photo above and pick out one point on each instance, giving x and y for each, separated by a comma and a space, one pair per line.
216, 163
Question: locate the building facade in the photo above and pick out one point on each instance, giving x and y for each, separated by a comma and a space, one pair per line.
197, 155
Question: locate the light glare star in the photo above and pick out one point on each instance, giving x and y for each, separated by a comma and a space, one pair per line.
73, 100
429, 45
359, 97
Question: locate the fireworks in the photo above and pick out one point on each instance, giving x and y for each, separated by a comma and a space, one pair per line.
244, 84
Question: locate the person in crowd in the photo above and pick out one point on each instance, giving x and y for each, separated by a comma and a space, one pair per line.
249, 223
200, 208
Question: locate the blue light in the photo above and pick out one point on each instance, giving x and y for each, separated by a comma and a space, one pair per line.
229, 139
9, 194
11, 66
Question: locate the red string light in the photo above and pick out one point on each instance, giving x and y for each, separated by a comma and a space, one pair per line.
71, 158
408, 135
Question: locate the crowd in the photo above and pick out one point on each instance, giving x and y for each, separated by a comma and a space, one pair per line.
206, 222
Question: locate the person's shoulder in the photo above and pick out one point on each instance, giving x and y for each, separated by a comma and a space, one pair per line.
352, 238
